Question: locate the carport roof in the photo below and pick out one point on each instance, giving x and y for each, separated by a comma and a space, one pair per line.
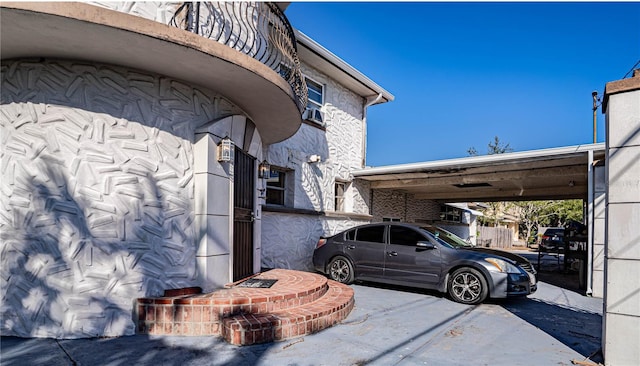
556, 173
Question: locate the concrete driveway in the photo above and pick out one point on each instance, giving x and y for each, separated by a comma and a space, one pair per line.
389, 326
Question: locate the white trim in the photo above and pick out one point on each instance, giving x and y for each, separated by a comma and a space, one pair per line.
484, 159
322, 85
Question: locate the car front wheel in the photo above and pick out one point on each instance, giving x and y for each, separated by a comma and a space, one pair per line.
467, 286
341, 270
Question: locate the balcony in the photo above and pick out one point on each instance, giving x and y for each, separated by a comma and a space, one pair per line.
259, 30
244, 51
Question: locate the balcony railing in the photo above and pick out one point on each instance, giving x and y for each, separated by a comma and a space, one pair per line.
257, 29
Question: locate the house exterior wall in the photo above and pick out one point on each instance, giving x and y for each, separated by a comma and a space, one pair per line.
97, 204
622, 242
399, 205
395, 204
340, 147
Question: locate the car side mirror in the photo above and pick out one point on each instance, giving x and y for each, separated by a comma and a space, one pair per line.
425, 245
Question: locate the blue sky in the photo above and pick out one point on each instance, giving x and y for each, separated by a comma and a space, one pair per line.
463, 73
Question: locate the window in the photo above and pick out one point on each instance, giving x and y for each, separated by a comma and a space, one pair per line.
390, 219
316, 93
448, 213
276, 185
315, 101
405, 236
374, 234
351, 234
341, 187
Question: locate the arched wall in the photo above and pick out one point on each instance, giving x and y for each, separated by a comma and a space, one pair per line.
97, 203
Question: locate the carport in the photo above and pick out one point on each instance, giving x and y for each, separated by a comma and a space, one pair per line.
572, 172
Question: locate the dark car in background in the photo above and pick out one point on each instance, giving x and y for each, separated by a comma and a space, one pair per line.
426, 257
552, 240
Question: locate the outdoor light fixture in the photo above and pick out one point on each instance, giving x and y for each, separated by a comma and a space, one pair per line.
263, 169
314, 159
225, 150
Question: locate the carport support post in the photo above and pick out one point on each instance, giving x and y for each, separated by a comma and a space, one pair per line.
621, 328
590, 221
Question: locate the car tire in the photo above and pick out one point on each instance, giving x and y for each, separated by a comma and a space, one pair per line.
340, 270
467, 286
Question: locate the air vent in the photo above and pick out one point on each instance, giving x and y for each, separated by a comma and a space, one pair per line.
472, 185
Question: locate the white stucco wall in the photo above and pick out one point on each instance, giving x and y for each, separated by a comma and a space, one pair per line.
97, 193
288, 239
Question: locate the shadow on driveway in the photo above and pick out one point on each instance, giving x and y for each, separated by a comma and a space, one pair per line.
578, 329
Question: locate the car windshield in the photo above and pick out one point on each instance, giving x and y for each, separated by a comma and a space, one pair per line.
552, 232
446, 238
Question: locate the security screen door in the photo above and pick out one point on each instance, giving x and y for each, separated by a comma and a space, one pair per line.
243, 217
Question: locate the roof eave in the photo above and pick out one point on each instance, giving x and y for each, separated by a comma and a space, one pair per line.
341, 71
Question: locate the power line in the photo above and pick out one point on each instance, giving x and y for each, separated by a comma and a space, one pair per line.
631, 70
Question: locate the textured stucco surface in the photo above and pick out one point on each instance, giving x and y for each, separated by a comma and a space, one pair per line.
288, 239
297, 236
97, 193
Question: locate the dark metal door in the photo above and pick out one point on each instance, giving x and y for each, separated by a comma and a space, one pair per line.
244, 186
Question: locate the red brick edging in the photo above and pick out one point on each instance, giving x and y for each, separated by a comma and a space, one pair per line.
298, 303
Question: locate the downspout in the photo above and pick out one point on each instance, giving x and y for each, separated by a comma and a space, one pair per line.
369, 103
590, 224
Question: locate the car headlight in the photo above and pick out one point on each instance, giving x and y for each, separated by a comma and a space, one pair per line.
502, 265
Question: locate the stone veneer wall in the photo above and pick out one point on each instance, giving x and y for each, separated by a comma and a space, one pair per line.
288, 239
97, 193
397, 204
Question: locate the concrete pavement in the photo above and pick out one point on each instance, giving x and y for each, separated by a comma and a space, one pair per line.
389, 326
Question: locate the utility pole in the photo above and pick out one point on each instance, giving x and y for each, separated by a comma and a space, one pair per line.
594, 95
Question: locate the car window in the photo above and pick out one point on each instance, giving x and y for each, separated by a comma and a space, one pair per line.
445, 237
350, 235
405, 236
374, 234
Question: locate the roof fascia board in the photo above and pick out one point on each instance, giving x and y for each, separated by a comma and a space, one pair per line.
494, 159
342, 66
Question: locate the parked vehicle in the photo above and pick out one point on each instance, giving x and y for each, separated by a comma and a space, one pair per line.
426, 257
552, 240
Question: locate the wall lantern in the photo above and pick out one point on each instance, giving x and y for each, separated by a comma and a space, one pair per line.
226, 150
263, 169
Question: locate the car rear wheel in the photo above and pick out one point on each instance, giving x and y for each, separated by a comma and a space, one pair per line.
341, 270
468, 286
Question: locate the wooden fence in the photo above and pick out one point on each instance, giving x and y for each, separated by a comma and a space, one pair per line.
494, 237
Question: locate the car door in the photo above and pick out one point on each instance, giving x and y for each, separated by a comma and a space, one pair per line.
410, 258
365, 246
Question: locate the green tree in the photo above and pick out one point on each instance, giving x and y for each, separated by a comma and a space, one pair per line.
494, 147
532, 213
497, 147
561, 212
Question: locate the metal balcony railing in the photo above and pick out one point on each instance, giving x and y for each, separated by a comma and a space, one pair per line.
258, 29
